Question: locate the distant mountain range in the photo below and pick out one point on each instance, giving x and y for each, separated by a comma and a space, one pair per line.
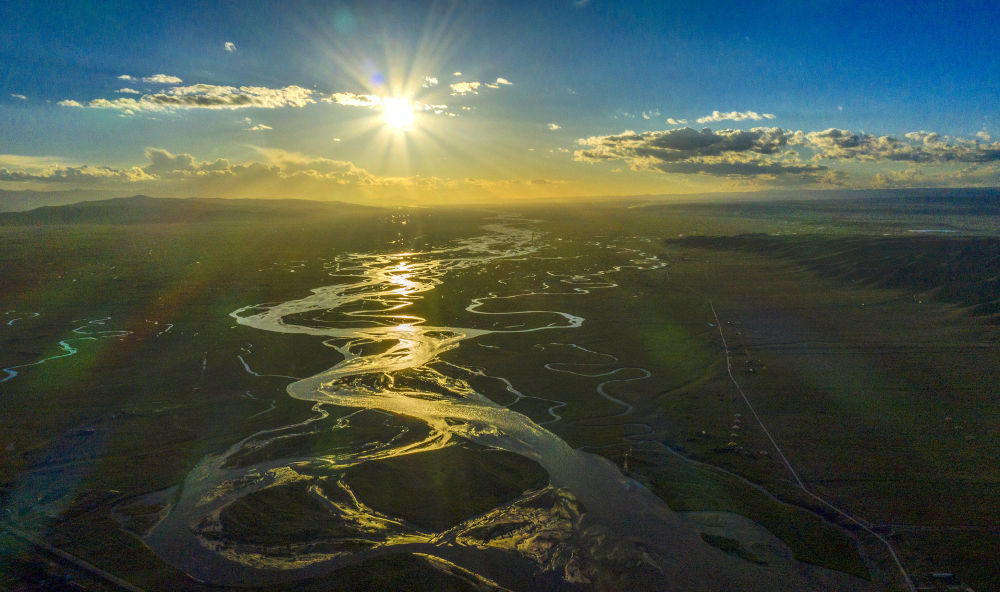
140, 209
95, 207
984, 195
19, 201
968, 201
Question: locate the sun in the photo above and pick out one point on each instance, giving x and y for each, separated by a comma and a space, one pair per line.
397, 114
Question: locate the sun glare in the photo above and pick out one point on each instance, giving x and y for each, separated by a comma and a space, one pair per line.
397, 113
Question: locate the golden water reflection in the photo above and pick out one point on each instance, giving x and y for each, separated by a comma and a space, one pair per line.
404, 379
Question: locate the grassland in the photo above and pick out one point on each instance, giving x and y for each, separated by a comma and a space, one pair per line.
446, 486
133, 414
870, 358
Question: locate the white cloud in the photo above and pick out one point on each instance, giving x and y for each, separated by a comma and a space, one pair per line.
255, 128
354, 99
553, 126
128, 91
435, 109
498, 83
125, 105
906, 178
229, 97
464, 88
76, 174
429, 81
834, 178
983, 135
205, 96
336, 139
125, 77
766, 155
735, 116
159, 79
651, 114
728, 153
162, 163
229, 46
278, 168
928, 138
917, 147
673, 121
472, 87
456, 73
972, 176
17, 96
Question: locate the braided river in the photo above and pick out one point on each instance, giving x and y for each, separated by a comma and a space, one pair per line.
590, 527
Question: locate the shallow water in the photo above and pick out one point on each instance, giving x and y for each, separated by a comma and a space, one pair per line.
598, 528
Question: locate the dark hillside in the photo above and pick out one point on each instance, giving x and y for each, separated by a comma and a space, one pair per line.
958, 270
141, 209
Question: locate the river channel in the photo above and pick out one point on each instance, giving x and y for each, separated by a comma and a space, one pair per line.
598, 530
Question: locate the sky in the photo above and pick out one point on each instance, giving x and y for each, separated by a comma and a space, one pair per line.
420, 102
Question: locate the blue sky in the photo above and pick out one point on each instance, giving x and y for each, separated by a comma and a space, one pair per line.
496, 100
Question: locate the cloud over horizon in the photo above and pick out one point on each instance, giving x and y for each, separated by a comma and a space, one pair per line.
79, 174
758, 151
776, 153
917, 147
276, 174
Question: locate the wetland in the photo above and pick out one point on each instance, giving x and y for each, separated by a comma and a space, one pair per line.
202, 394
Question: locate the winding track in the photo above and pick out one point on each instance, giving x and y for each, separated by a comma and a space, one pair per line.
798, 480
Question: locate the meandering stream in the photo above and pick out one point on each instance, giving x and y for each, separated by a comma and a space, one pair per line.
622, 528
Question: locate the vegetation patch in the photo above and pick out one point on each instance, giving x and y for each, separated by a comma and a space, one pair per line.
446, 486
688, 487
281, 515
731, 546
